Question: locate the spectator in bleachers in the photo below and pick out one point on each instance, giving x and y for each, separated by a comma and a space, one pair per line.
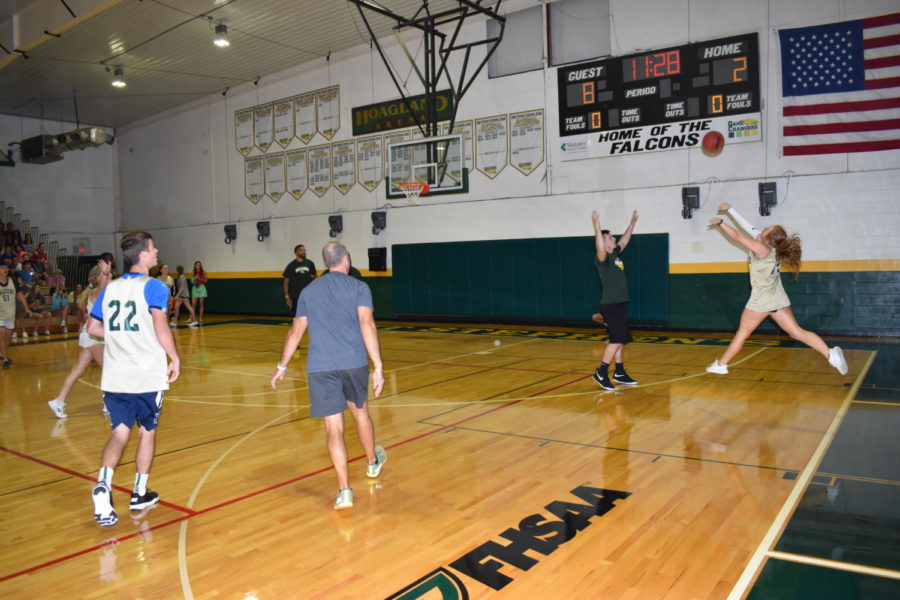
55, 278
21, 255
75, 304
59, 306
8, 253
11, 235
39, 258
36, 307
26, 272
28, 243
91, 347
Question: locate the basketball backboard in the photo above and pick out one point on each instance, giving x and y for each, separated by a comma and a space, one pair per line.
437, 161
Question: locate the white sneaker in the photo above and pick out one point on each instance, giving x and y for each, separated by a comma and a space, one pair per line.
24, 335
193, 324
836, 359
717, 368
173, 323
46, 332
104, 513
64, 330
14, 334
58, 407
344, 499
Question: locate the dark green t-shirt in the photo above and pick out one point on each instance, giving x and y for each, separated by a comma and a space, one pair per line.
612, 277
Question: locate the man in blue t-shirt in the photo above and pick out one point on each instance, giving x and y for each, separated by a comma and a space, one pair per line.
337, 310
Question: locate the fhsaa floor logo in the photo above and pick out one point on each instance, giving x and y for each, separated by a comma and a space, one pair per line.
538, 533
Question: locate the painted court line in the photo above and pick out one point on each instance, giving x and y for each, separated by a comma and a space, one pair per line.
752, 570
87, 477
835, 564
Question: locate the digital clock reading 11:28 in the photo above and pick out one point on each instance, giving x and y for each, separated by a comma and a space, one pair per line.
695, 81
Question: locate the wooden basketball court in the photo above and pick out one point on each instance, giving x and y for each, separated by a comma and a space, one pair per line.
510, 474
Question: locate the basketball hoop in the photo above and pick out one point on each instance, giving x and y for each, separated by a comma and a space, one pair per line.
412, 190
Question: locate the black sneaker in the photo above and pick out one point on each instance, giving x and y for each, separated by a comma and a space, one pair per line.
141, 502
7, 363
624, 379
603, 381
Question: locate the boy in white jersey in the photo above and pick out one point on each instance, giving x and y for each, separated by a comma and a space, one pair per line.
130, 314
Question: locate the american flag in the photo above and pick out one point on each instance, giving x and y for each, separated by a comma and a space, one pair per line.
840, 87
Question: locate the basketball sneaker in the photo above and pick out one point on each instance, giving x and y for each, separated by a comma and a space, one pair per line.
375, 468
598, 319
139, 502
104, 513
193, 324
7, 363
173, 323
344, 499
603, 380
836, 360
58, 407
624, 379
717, 368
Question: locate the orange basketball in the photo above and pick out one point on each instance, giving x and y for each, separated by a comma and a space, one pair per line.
713, 143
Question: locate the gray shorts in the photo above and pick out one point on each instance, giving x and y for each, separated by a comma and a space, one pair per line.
330, 391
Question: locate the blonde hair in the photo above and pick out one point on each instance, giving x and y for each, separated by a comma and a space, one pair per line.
787, 248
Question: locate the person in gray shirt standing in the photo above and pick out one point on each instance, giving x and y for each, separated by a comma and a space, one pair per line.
337, 310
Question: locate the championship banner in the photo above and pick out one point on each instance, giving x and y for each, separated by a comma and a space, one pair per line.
319, 169
668, 136
526, 140
297, 180
275, 176
465, 128
262, 126
284, 122
343, 165
243, 130
369, 162
490, 145
254, 188
328, 111
305, 116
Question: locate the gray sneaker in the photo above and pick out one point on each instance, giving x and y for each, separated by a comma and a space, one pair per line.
374, 468
344, 499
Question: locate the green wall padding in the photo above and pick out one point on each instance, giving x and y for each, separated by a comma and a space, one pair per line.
549, 279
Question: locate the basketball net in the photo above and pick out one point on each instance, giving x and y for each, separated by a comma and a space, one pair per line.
412, 190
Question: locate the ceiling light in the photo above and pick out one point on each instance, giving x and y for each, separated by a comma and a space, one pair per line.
119, 77
221, 39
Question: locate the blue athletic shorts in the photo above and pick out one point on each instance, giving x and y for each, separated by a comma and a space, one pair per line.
330, 391
127, 408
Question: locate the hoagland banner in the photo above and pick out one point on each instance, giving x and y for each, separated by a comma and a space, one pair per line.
395, 114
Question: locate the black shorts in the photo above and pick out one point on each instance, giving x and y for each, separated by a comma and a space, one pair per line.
616, 316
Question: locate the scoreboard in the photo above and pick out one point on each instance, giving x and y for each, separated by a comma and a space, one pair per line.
681, 90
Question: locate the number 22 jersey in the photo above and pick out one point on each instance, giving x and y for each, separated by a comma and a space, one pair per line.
134, 362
